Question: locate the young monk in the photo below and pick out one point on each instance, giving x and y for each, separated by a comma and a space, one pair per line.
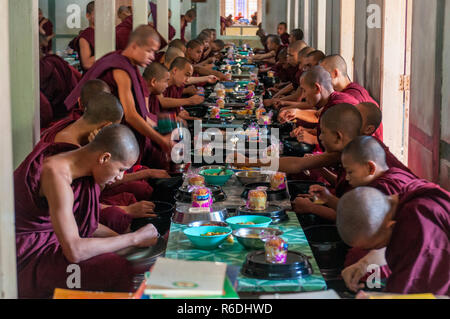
318, 91
291, 90
187, 18
84, 43
296, 35
120, 71
90, 89
123, 12
46, 30
102, 110
313, 59
194, 51
169, 56
171, 101
414, 228
56, 203
274, 46
337, 67
123, 31
283, 34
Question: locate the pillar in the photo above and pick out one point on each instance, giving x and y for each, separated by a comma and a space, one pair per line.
140, 13
105, 27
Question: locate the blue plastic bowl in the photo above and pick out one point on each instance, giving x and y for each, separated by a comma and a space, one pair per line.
216, 180
259, 221
207, 242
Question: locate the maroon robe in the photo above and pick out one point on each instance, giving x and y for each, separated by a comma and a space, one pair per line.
89, 35
394, 181
295, 75
48, 28
46, 111
363, 96
57, 80
117, 196
418, 252
174, 92
153, 9
334, 99
41, 263
123, 31
103, 70
285, 39
183, 30
392, 160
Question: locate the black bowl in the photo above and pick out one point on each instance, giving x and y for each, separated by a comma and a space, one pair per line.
327, 246
300, 188
161, 222
197, 110
297, 149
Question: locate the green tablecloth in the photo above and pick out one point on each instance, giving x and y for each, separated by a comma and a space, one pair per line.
179, 247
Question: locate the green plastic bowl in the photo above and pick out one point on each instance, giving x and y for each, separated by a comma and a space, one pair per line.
207, 242
216, 180
259, 221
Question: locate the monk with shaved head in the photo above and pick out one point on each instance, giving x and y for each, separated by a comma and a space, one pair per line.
413, 226
337, 67
57, 190
120, 71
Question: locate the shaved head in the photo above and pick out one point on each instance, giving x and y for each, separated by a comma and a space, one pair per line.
297, 46
90, 7
177, 43
298, 34
103, 107
155, 71
371, 114
361, 214
180, 63
344, 118
317, 56
171, 54
123, 9
364, 149
335, 62
275, 39
119, 141
319, 75
92, 88
193, 44
142, 34
305, 51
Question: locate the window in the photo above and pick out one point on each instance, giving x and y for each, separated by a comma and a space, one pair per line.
246, 8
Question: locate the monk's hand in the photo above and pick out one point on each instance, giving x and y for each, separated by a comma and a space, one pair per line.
146, 236
157, 173
297, 132
320, 193
212, 79
273, 90
190, 90
277, 103
303, 205
307, 138
142, 209
353, 274
196, 99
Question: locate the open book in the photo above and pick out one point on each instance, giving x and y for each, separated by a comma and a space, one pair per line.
173, 277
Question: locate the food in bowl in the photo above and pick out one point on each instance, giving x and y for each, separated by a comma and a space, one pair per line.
247, 223
214, 234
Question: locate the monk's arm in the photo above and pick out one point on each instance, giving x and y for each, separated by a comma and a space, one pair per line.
259, 57
284, 91
86, 57
324, 212
204, 71
131, 116
171, 103
309, 116
55, 187
198, 79
294, 97
104, 232
295, 105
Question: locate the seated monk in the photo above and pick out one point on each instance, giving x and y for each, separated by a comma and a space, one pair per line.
194, 52
84, 43
296, 35
57, 190
319, 92
102, 110
413, 227
57, 79
274, 45
120, 71
337, 67
171, 100
313, 59
283, 34
90, 89
291, 96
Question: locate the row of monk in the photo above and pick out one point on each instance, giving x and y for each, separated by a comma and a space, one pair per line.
74, 202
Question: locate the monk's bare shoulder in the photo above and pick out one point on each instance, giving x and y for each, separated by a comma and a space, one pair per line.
55, 173
120, 76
